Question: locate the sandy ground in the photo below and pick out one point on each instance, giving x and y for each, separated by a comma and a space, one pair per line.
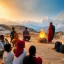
46, 51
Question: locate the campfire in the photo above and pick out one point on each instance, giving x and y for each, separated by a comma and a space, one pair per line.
42, 36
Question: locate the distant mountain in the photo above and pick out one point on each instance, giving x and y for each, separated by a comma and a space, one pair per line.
7, 22
37, 25
4, 29
20, 28
58, 23
31, 24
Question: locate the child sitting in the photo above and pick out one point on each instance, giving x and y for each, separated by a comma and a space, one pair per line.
8, 55
31, 58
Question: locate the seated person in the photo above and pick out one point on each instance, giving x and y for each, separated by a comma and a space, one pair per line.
31, 58
16, 39
8, 56
57, 46
19, 52
62, 48
26, 35
3, 41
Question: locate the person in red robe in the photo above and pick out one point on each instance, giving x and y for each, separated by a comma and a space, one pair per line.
50, 33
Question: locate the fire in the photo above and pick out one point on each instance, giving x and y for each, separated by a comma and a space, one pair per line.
42, 34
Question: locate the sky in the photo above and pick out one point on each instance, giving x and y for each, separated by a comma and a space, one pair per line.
30, 10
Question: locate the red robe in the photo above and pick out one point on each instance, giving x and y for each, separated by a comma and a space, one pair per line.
50, 34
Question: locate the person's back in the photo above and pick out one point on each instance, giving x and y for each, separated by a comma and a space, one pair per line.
31, 58
62, 48
19, 52
8, 56
19, 60
57, 46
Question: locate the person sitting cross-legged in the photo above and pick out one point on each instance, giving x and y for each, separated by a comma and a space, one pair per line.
26, 35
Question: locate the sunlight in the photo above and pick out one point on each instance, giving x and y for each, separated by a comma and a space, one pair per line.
2, 11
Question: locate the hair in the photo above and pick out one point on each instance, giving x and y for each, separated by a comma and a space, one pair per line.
50, 22
1, 37
31, 57
13, 28
32, 50
26, 28
7, 47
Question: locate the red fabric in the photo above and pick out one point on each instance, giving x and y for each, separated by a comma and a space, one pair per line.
50, 34
19, 48
38, 60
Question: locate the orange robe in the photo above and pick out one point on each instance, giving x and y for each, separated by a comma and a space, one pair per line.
16, 39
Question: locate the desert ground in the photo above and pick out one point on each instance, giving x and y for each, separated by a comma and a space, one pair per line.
44, 50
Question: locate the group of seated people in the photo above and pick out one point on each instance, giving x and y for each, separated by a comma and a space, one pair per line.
26, 35
59, 47
17, 54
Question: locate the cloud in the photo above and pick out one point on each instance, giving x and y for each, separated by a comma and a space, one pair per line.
28, 5
45, 18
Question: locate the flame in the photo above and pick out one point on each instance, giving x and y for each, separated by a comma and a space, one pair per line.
42, 34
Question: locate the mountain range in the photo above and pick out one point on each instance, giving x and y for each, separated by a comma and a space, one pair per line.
58, 22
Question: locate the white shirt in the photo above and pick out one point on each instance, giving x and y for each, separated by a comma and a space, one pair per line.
8, 57
1, 47
19, 60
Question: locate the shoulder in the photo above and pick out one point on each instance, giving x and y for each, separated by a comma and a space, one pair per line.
10, 55
0, 43
23, 54
25, 60
53, 26
26, 57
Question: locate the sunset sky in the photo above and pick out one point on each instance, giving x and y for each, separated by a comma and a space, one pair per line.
33, 10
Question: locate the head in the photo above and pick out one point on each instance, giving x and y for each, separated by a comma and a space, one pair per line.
58, 44
32, 50
13, 28
26, 28
20, 44
7, 47
2, 37
50, 23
